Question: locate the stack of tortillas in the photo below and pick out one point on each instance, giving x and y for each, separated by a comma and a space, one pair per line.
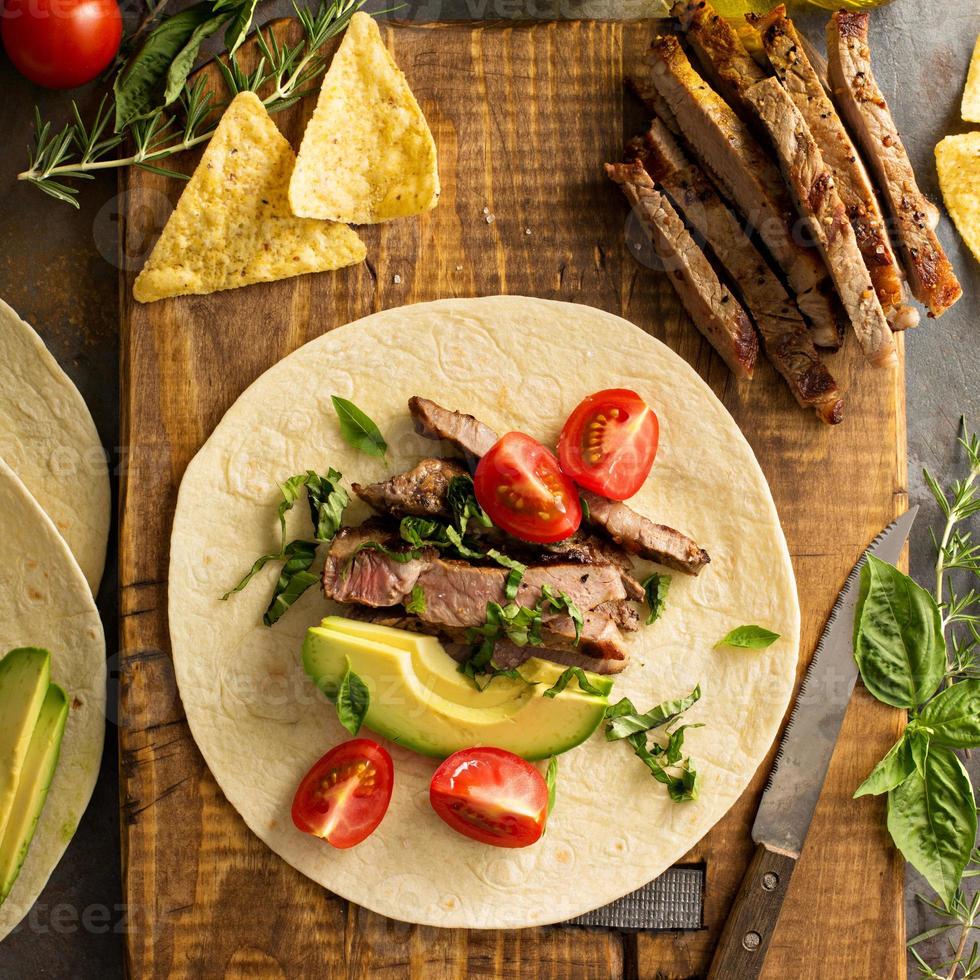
254, 212
54, 522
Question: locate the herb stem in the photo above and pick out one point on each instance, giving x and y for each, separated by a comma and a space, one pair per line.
965, 928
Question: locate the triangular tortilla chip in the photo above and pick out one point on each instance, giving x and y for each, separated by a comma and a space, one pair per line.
367, 154
958, 166
970, 106
232, 225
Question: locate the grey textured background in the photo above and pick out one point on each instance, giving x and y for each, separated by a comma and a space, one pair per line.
57, 269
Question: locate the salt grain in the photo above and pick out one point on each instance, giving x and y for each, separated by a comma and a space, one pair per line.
396, 279
527, 231
489, 219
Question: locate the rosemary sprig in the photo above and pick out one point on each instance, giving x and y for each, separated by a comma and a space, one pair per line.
77, 150
957, 555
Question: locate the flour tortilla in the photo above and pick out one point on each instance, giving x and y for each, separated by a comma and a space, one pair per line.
515, 363
48, 438
45, 602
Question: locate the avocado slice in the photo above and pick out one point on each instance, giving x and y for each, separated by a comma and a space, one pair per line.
32, 788
420, 700
24, 677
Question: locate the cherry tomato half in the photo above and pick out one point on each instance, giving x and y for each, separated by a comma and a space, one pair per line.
346, 794
61, 43
520, 486
491, 795
609, 443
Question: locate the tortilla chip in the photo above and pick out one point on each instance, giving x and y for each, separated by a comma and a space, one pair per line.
958, 164
970, 106
367, 154
232, 225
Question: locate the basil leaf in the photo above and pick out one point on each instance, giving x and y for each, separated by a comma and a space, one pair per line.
238, 28
898, 637
560, 602
624, 721
416, 602
294, 579
257, 567
749, 638
357, 429
327, 501
586, 509
919, 750
456, 540
182, 64
138, 86
953, 715
462, 501
352, 701
675, 743
567, 675
656, 587
551, 780
896, 766
932, 819
517, 572
681, 786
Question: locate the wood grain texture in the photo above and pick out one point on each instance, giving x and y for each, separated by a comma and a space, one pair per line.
523, 117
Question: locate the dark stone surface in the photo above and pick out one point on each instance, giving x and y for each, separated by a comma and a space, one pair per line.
57, 269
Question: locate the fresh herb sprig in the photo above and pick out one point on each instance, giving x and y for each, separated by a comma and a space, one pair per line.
918, 651
284, 74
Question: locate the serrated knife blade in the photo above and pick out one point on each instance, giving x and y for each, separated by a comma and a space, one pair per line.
798, 775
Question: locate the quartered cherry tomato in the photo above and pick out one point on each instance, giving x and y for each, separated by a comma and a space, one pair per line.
61, 43
521, 487
345, 795
491, 795
609, 443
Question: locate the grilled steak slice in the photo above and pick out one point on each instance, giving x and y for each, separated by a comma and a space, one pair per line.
929, 270
640, 536
507, 654
465, 433
721, 52
419, 492
587, 549
746, 175
786, 53
787, 341
710, 304
631, 531
820, 206
456, 593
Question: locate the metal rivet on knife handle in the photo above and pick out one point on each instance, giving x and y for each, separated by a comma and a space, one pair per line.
751, 941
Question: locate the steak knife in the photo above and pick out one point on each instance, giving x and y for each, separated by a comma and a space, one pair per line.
797, 776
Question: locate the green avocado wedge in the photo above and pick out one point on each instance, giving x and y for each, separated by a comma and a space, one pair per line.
421, 701
32, 787
24, 677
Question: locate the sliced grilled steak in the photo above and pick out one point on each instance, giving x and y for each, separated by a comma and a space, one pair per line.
785, 336
747, 176
631, 531
640, 536
587, 549
720, 50
419, 492
467, 434
929, 270
820, 206
786, 53
506, 654
709, 303
456, 593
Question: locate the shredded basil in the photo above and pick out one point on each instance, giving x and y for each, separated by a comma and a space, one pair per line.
563, 601
416, 604
567, 676
655, 587
327, 500
666, 762
517, 572
551, 781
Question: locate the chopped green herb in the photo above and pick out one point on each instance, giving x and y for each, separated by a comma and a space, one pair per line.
357, 429
656, 587
551, 781
352, 701
416, 602
625, 720
294, 579
562, 601
517, 572
749, 638
567, 675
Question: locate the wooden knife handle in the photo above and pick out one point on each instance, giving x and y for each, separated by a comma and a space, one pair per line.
741, 950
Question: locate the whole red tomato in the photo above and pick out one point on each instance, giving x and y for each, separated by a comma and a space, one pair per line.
61, 43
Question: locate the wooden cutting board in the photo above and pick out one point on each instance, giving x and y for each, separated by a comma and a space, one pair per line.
523, 116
